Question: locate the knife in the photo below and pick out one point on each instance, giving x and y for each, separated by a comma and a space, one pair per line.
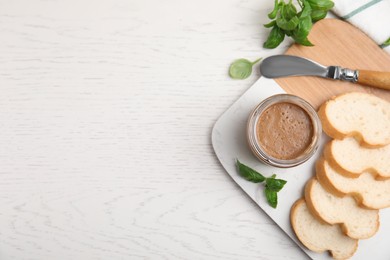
287, 65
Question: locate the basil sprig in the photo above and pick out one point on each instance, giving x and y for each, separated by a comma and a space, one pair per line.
286, 20
272, 185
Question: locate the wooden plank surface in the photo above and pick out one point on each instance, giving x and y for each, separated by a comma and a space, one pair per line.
336, 43
106, 111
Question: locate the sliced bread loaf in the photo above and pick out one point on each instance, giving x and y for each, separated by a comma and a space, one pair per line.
320, 237
364, 116
356, 222
347, 157
367, 191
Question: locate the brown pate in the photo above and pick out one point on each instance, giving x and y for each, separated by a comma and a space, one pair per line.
284, 131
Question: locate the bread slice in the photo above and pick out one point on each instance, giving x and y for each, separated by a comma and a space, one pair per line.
362, 115
367, 191
349, 158
320, 237
356, 222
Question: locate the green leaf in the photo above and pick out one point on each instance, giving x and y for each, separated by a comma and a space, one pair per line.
306, 10
248, 173
324, 5
241, 68
288, 33
270, 24
302, 31
288, 11
272, 197
287, 25
273, 13
274, 184
304, 42
295, 24
317, 15
275, 37
386, 43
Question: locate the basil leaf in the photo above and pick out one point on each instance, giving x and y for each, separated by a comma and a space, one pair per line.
272, 14
289, 11
241, 68
272, 197
306, 10
288, 33
386, 43
304, 41
302, 31
317, 15
274, 184
275, 37
287, 25
248, 173
321, 4
270, 24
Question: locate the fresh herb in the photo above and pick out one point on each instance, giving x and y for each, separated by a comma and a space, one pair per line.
272, 185
241, 68
272, 197
249, 174
286, 20
275, 38
386, 43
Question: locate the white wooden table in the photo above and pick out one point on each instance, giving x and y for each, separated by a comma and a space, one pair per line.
106, 111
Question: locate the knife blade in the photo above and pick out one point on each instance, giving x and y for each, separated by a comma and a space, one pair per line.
287, 65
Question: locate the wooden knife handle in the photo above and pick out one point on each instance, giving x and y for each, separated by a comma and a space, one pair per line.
376, 79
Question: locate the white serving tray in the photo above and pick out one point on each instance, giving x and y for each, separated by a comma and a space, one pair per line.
229, 142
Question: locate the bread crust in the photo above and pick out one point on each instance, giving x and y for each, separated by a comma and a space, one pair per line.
328, 128
334, 164
335, 256
310, 204
324, 180
335, 133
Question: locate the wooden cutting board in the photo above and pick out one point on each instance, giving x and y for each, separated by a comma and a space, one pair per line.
336, 43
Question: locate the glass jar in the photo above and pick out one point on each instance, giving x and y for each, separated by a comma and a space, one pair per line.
280, 124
